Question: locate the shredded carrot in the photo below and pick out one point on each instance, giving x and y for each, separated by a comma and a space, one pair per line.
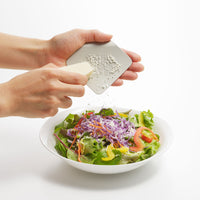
111, 115
115, 145
119, 144
107, 129
79, 152
103, 132
95, 126
73, 141
98, 123
79, 122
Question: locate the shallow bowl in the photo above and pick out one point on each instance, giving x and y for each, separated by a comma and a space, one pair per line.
48, 140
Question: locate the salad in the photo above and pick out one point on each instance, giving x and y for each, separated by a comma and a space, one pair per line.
107, 137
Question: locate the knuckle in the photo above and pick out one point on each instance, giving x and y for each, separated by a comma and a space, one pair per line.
79, 79
80, 91
43, 115
52, 101
51, 112
50, 65
79, 33
51, 86
49, 73
77, 30
75, 78
84, 80
135, 76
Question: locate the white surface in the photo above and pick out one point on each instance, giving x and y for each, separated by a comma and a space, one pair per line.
48, 140
166, 35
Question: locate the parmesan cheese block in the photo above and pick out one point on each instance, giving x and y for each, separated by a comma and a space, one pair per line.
81, 68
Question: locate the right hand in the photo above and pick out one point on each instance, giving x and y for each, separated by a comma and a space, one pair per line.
40, 92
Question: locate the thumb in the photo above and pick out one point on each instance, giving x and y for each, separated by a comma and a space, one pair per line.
95, 36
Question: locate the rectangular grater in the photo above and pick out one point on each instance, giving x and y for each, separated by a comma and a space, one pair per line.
109, 62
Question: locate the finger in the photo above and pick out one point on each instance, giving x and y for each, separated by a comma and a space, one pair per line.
95, 36
50, 65
134, 56
118, 82
71, 90
65, 102
71, 77
129, 75
48, 112
136, 67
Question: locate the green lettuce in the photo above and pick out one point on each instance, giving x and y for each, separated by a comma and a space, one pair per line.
106, 112
143, 119
90, 145
60, 147
149, 150
103, 154
70, 121
129, 157
135, 120
59, 127
146, 119
74, 156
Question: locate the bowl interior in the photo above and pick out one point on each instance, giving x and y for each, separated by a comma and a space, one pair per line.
48, 140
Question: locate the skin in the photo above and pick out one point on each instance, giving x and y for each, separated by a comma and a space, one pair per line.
45, 88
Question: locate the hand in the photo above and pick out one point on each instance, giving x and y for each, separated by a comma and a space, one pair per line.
40, 92
62, 46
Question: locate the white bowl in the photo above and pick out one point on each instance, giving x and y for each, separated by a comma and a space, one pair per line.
49, 141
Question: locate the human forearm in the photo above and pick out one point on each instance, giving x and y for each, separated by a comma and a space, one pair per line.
6, 107
21, 53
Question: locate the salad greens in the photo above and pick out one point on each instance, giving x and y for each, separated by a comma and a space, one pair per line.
107, 137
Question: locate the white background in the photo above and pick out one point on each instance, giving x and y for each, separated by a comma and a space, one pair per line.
166, 35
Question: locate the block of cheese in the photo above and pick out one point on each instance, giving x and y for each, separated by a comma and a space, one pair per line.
82, 68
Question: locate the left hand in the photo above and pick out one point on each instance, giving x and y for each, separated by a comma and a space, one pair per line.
62, 46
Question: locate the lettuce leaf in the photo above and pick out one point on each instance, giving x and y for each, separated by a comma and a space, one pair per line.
90, 145
129, 157
59, 127
71, 120
143, 119
135, 120
146, 119
73, 156
103, 154
60, 147
106, 112
149, 150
